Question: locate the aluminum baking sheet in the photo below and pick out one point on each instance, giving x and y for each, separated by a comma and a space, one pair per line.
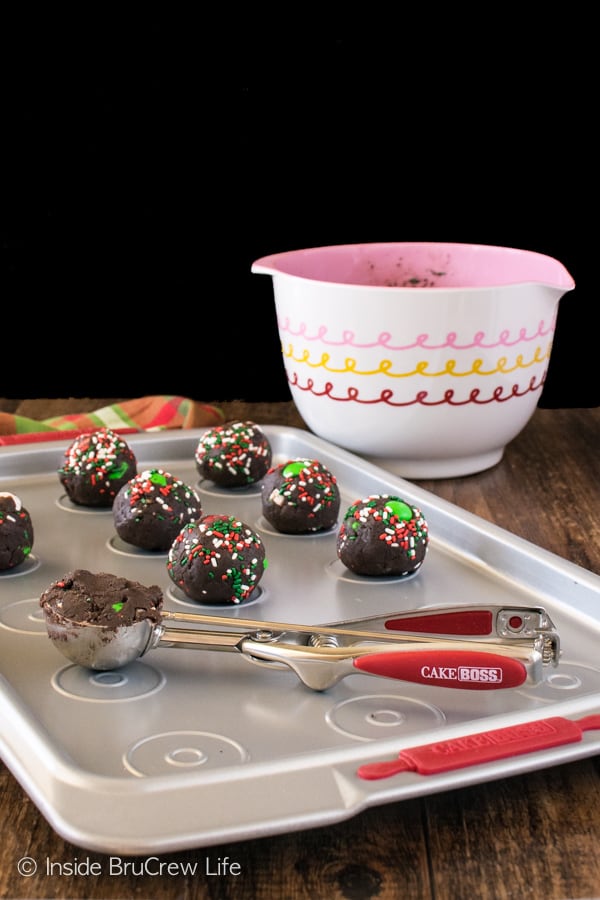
186, 748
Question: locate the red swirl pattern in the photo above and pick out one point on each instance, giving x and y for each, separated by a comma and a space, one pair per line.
499, 394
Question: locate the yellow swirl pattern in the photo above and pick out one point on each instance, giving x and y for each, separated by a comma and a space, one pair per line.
385, 366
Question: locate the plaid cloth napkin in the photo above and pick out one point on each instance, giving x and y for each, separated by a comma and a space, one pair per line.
153, 413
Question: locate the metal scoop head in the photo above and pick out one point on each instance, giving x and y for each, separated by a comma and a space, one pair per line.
98, 646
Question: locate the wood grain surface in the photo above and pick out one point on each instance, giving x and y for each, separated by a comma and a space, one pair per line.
527, 836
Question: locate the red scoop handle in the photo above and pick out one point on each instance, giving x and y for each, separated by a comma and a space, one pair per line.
486, 746
465, 669
463, 622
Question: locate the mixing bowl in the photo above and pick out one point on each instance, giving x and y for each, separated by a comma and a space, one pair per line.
424, 357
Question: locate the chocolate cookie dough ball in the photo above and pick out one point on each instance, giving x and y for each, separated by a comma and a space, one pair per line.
300, 496
152, 508
16, 532
382, 535
101, 599
218, 559
96, 467
235, 454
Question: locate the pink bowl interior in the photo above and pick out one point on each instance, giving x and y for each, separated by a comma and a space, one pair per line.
420, 264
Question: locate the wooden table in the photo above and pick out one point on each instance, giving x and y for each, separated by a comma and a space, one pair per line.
532, 835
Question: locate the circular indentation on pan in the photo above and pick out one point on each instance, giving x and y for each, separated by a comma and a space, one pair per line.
173, 751
264, 526
176, 594
63, 502
25, 616
566, 679
214, 490
336, 569
29, 564
132, 681
374, 716
117, 545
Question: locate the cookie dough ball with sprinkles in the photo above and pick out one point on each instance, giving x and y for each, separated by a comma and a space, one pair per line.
16, 532
152, 508
382, 535
300, 496
217, 560
232, 455
96, 467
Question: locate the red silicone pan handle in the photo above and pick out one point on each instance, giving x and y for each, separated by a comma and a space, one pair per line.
465, 669
486, 746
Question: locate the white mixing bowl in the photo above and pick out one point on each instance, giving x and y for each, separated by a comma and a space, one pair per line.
426, 358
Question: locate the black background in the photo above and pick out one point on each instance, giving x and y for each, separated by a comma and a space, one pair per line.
148, 163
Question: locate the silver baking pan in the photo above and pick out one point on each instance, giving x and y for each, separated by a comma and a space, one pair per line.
186, 748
